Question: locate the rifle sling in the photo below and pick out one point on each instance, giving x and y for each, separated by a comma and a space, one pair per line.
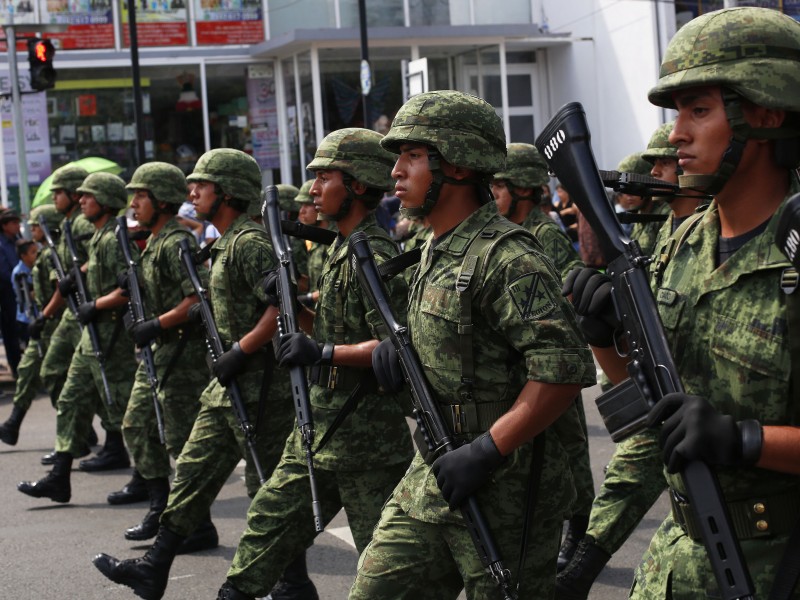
118, 324
534, 478
788, 570
266, 382
363, 388
397, 264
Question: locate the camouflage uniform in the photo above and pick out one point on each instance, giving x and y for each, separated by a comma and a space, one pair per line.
644, 233
421, 548
180, 349
28, 380
368, 454
75, 407
730, 322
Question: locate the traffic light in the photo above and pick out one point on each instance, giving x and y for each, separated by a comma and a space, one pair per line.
40, 58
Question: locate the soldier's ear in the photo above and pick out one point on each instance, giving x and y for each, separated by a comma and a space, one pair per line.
358, 187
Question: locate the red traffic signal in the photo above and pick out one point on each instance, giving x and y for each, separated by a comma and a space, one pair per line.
40, 60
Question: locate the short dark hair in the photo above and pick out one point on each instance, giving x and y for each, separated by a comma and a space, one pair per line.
23, 246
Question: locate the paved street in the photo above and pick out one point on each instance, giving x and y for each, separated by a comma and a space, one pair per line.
47, 547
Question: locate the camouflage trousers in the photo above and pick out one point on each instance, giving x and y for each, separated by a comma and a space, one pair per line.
58, 357
79, 401
411, 559
179, 399
215, 446
633, 483
675, 567
580, 465
280, 522
29, 383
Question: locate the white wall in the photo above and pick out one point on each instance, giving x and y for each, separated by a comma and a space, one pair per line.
609, 68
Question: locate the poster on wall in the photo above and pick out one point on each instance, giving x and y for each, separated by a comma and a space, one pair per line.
158, 23
89, 23
228, 22
37, 139
263, 116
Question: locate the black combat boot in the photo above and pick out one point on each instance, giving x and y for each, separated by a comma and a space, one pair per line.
158, 490
575, 581
91, 440
576, 529
228, 592
112, 456
55, 485
205, 537
9, 431
294, 584
133, 491
146, 576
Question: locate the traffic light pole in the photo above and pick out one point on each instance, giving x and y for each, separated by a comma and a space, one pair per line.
16, 112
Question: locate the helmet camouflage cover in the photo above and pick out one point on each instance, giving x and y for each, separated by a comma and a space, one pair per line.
659, 145
358, 153
68, 178
753, 51
464, 129
525, 167
107, 189
634, 163
287, 195
304, 196
235, 172
164, 181
52, 217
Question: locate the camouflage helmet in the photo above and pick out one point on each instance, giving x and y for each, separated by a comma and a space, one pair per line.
304, 196
52, 217
107, 189
287, 195
235, 172
634, 163
68, 178
464, 129
659, 145
164, 181
753, 51
358, 153
525, 167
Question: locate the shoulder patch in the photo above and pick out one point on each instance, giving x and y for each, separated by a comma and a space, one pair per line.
531, 297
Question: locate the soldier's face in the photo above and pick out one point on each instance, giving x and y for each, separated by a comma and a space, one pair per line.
203, 197
61, 200
36, 233
502, 196
701, 130
90, 206
328, 191
412, 175
142, 207
307, 214
665, 169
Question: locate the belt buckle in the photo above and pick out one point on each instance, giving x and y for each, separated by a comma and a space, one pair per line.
456, 411
332, 378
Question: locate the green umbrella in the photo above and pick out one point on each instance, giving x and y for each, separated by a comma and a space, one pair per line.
93, 164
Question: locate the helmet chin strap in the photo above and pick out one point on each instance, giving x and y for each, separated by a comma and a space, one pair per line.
344, 208
432, 195
100, 213
156, 212
218, 200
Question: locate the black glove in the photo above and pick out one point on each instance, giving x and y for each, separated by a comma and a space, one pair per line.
122, 279
229, 365
270, 286
66, 285
36, 327
460, 473
692, 429
86, 312
298, 349
193, 314
145, 332
591, 297
387, 367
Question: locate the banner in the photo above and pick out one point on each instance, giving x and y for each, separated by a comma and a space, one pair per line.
36, 131
228, 22
263, 116
158, 23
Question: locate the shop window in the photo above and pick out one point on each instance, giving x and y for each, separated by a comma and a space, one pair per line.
380, 13
287, 15
431, 12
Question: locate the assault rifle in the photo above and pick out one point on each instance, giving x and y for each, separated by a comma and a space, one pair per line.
82, 295
326, 237
438, 438
58, 267
564, 143
28, 304
287, 323
138, 315
216, 349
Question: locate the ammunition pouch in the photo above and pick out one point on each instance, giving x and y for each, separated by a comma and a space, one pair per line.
344, 379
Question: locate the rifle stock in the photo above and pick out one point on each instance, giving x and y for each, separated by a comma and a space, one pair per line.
438, 438
139, 315
565, 144
287, 323
216, 349
81, 296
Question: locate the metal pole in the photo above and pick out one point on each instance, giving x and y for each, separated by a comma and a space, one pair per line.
16, 112
137, 83
365, 68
